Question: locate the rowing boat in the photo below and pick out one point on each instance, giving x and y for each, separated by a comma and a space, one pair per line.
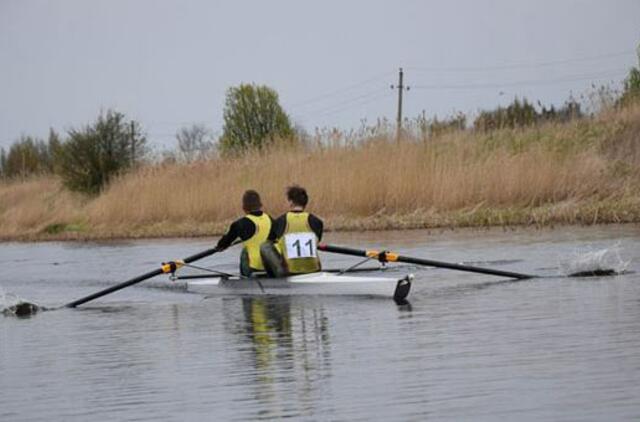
315, 283
320, 283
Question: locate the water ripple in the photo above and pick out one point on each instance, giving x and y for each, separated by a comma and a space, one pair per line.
466, 347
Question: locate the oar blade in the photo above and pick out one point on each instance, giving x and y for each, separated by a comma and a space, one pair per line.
22, 309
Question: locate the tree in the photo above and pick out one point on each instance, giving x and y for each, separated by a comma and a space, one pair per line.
631, 91
253, 118
194, 142
26, 156
448, 125
53, 149
517, 114
3, 161
92, 156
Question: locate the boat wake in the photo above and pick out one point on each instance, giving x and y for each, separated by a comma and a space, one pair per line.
602, 262
12, 305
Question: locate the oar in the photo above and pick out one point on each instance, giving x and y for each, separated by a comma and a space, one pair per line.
386, 256
168, 267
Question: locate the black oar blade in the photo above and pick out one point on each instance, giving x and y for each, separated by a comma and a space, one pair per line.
594, 273
22, 309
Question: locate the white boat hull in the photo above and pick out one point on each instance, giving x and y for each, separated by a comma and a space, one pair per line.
320, 283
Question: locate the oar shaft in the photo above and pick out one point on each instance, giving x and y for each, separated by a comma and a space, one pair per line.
393, 257
460, 267
200, 255
138, 279
114, 288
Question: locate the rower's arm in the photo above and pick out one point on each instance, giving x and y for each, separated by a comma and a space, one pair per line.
316, 225
232, 234
277, 228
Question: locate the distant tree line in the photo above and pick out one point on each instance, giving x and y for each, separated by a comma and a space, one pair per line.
86, 161
89, 157
29, 156
522, 113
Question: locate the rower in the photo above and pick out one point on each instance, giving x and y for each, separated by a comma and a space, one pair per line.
293, 240
253, 229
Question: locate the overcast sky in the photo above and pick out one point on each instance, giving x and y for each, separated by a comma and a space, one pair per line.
167, 63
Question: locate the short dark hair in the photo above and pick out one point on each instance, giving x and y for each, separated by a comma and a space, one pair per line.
251, 201
297, 195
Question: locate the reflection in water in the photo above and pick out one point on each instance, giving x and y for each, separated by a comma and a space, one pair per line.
472, 347
290, 345
268, 325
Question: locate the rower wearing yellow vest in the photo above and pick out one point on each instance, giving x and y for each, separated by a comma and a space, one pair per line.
296, 235
253, 229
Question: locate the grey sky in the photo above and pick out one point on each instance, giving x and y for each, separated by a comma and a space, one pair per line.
168, 63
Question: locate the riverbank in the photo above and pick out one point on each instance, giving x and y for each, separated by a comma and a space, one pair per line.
584, 171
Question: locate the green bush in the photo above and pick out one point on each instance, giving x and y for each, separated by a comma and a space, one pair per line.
91, 157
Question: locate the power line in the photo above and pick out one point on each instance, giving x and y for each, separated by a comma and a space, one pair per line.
532, 65
349, 101
361, 103
521, 83
177, 123
341, 90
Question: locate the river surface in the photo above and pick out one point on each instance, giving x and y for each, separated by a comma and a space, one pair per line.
466, 347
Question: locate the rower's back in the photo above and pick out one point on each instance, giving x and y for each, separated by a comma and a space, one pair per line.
253, 230
296, 235
299, 242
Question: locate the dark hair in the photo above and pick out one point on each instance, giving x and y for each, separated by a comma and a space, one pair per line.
251, 201
297, 195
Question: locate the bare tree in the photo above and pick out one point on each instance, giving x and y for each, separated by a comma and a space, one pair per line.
194, 142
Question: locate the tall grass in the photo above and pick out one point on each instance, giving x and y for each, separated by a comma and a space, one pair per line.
27, 207
582, 171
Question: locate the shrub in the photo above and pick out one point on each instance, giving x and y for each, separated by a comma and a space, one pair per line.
522, 113
92, 156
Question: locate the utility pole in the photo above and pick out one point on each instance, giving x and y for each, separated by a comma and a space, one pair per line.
24, 165
400, 87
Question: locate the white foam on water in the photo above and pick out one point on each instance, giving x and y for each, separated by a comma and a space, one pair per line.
607, 259
7, 300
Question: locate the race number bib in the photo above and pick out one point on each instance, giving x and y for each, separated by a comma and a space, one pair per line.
300, 245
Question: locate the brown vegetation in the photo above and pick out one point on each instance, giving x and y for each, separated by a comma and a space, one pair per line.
582, 171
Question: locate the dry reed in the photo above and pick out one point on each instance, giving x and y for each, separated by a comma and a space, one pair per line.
584, 171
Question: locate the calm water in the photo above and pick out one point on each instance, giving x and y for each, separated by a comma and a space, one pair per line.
468, 347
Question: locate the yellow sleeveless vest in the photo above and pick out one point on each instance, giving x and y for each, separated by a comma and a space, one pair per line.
252, 245
298, 223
